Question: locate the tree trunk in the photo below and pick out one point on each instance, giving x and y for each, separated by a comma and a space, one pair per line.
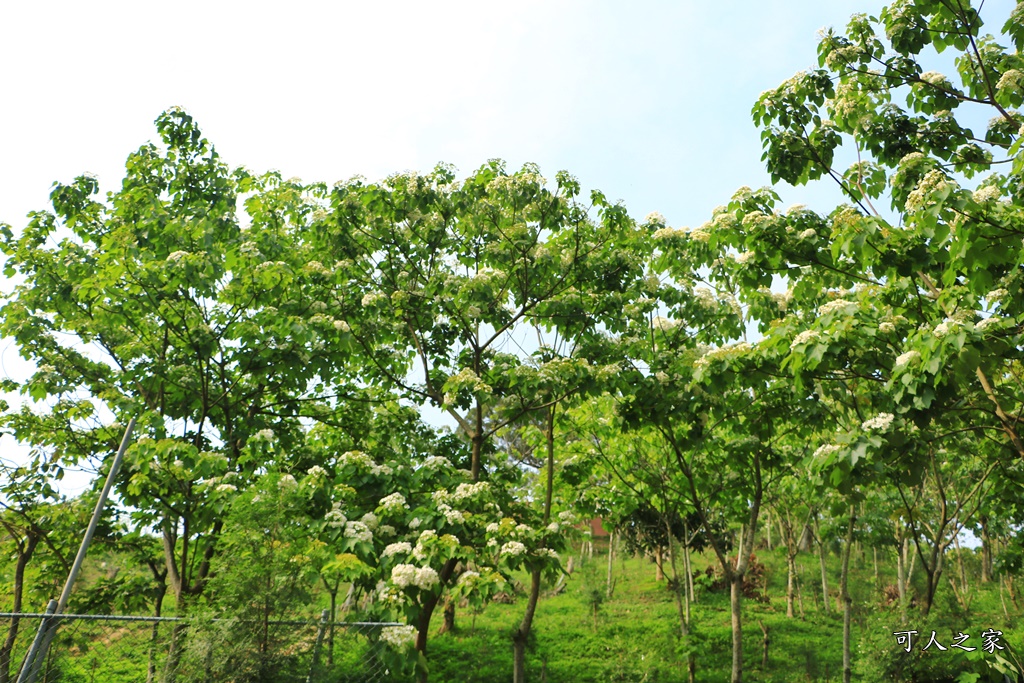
735, 604
790, 583
448, 625
686, 564
824, 569
522, 634
765, 642
25, 550
986, 551
611, 557
158, 604
683, 606
847, 599
659, 571
768, 530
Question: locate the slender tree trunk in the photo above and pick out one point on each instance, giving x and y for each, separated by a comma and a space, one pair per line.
686, 563
682, 603
824, 569
659, 571
847, 599
768, 529
790, 583
611, 557
154, 636
799, 594
901, 577
736, 622
521, 636
986, 551
25, 550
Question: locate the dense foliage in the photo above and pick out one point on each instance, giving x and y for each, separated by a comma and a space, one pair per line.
843, 379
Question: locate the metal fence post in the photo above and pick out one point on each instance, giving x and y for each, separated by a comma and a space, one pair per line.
324, 619
26, 674
30, 669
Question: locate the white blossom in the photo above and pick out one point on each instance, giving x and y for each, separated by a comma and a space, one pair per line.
513, 548
826, 449
808, 234
554, 527
370, 520
403, 575
358, 531
987, 323
399, 637
886, 328
663, 324
287, 482
177, 255
335, 518
395, 548
655, 218
996, 295
393, 503
804, 337
744, 256
987, 193
226, 488
907, 358
944, 328
426, 578
341, 326
841, 305
415, 523
493, 528
880, 422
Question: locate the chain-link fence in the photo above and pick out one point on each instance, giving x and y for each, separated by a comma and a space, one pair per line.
124, 649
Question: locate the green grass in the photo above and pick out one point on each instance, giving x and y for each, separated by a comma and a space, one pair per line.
636, 634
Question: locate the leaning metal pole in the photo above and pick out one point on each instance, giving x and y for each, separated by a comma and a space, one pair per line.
48, 627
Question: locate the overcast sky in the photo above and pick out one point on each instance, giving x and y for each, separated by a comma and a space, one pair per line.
647, 101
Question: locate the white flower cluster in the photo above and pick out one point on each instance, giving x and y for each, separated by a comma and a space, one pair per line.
436, 462
226, 488
177, 256
933, 181
826, 449
265, 435
701, 234
907, 358
371, 298
944, 328
663, 324
667, 233
287, 482
370, 520
840, 305
744, 256
886, 328
808, 234
989, 193
493, 528
546, 552
722, 352
554, 527
566, 517
513, 548
335, 518
934, 78
403, 547
393, 503
342, 326
996, 295
406, 575
880, 422
1012, 79
468, 576
705, 297
362, 461
316, 472
359, 531
983, 324
399, 637
467, 491
655, 218
804, 337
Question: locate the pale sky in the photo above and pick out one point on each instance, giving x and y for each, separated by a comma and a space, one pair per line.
647, 101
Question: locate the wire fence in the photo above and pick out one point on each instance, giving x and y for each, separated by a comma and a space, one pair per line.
89, 648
